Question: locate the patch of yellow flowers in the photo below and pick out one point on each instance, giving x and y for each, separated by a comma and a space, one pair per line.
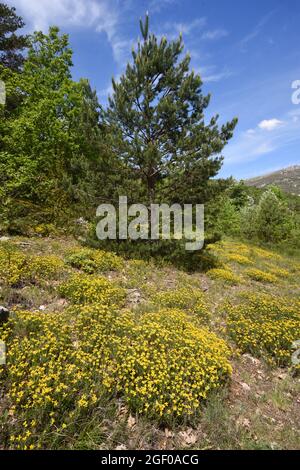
277, 271
236, 258
224, 274
190, 299
230, 247
85, 289
94, 261
266, 254
60, 366
265, 325
17, 268
261, 276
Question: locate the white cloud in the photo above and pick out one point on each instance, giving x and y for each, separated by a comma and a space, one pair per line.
270, 124
84, 13
215, 34
100, 15
254, 143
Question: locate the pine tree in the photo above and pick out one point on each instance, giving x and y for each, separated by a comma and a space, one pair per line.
155, 123
11, 45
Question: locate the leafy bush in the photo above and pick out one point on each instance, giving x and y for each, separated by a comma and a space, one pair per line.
159, 251
83, 289
188, 299
223, 274
261, 276
94, 261
265, 325
162, 364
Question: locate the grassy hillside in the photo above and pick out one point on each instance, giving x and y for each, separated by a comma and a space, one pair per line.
288, 179
107, 353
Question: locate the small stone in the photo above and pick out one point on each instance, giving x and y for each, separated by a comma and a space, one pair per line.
121, 447
131, 421
245, 386
134, 296
252, 359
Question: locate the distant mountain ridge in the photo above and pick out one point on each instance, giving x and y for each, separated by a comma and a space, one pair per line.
288, 179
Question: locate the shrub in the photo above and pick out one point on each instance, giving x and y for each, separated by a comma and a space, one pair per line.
48, 378
94, 261
261, 276
224, 274
83, 289
226, 248
240, 259
189, 299
45, 230
59, 368
260, 252
270, 220
169, 365
278, 272
265, 325
17, 269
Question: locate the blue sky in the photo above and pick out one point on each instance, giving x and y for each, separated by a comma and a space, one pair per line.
246, 51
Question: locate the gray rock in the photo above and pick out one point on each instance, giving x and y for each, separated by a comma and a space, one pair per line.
134, 296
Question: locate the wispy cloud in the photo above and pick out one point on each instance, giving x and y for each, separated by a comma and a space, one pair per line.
268, 136
157, 5
256, 31
173, 29
214, 34
210, 73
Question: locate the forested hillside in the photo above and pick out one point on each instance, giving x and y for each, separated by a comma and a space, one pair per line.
288, 179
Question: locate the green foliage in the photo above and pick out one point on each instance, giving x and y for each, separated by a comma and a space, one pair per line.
223, 216
270, 220
49, 153
93, 261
